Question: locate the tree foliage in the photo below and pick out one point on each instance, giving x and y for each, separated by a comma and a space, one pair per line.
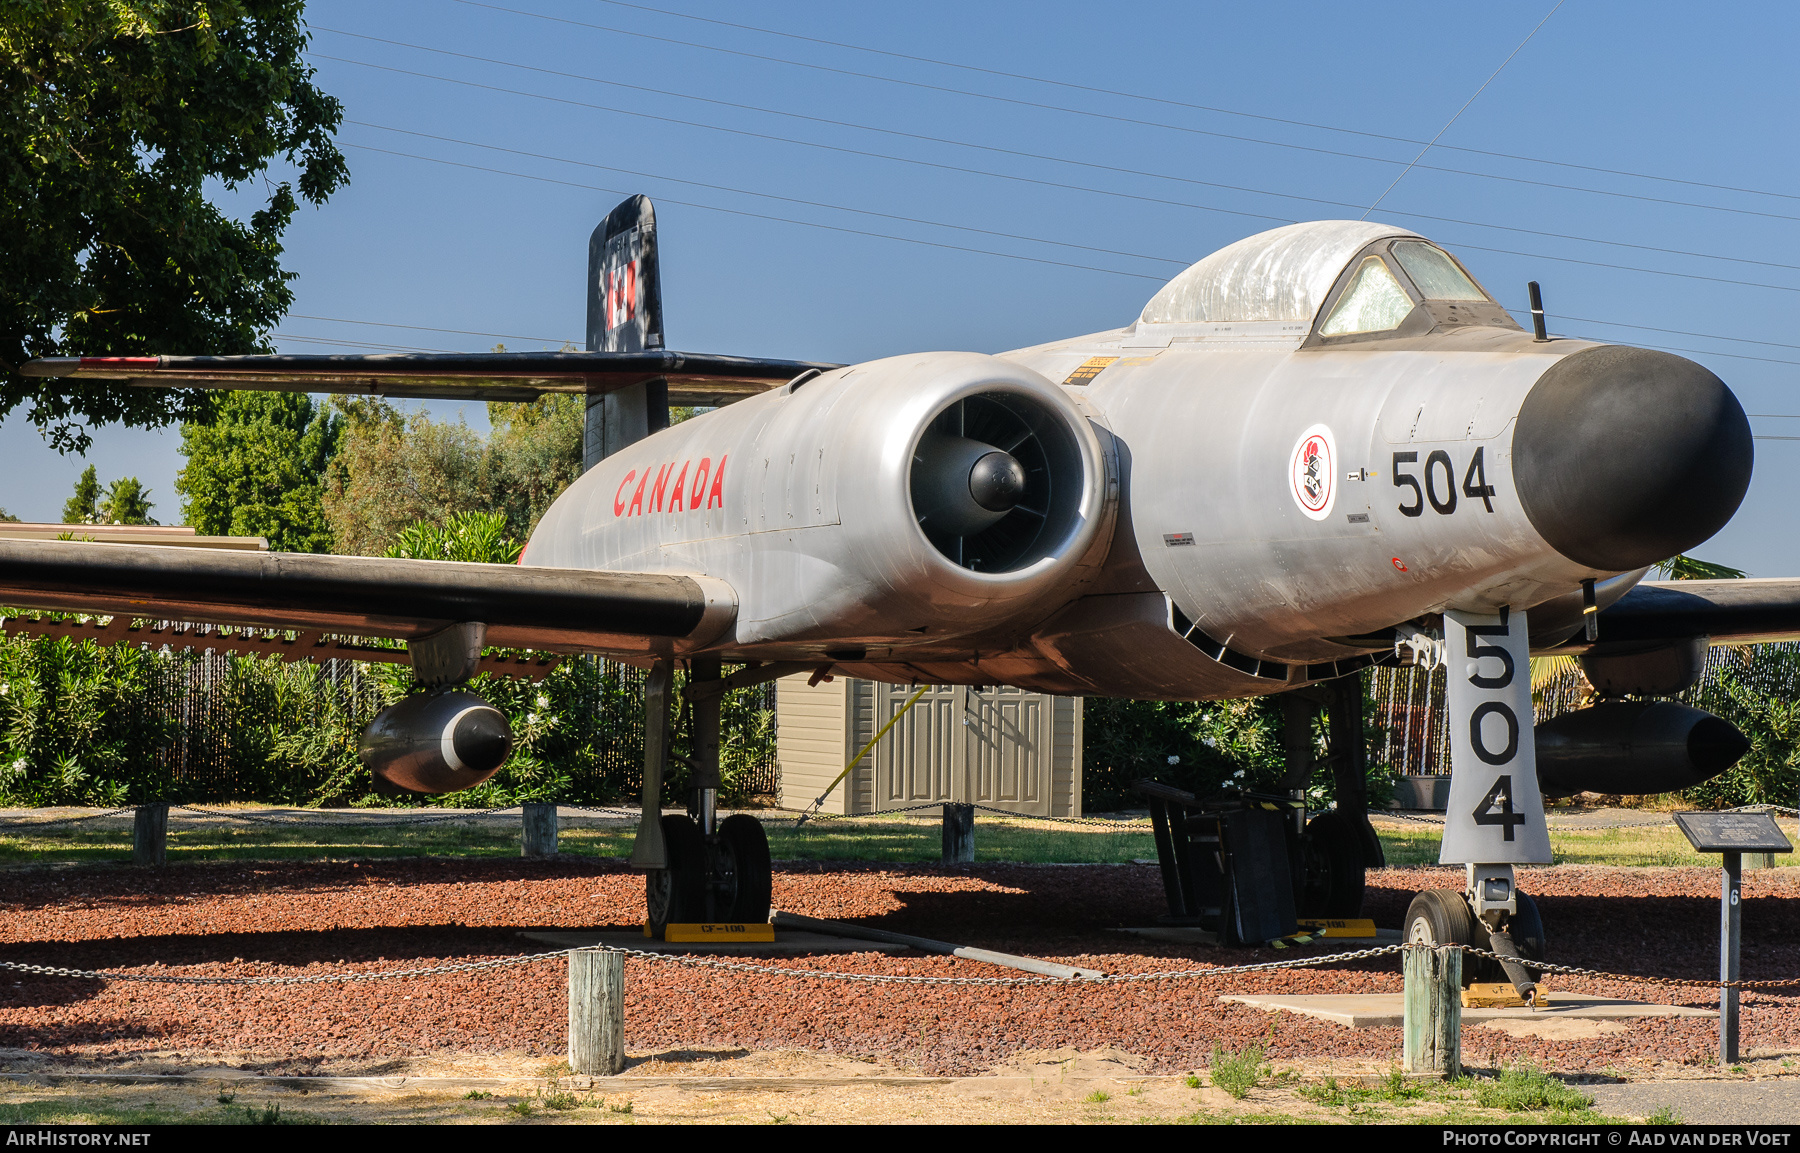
478, 537
395, 469
114, 116
124, 501
258, 469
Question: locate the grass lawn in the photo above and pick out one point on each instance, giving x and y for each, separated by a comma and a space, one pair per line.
888, 839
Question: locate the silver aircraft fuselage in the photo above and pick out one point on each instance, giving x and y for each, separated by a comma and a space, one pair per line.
1231, 507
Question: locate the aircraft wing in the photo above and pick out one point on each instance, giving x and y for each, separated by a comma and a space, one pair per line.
618, 614
693, 378
1734, 612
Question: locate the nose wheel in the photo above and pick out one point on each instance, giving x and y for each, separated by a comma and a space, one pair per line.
1443, 917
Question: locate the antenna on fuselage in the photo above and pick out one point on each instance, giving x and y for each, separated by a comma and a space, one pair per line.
1537, 313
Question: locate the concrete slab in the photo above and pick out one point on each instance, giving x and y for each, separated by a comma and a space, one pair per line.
1191, 935
787, 943
1378, 1010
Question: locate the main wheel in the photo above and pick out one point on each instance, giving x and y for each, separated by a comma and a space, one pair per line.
1443, 917
1331, 869
677, 894
745, 871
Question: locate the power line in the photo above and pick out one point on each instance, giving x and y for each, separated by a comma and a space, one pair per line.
771, 195
423, 328
990, 148
763, 216
355, 343
1107, 92
1095, 115
1463, 109
1027, 179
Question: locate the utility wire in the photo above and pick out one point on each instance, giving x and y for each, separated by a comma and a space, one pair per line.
1463, 109
1108, 92
763, 216
1006, 176
1008, 151
423, 328
771, 195
846, 124
860, 75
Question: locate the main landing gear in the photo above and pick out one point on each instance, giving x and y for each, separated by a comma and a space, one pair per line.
698, 869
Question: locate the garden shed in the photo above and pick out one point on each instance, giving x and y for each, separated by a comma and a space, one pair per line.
1002, 747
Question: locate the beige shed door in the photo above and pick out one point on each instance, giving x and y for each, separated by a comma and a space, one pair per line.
991, 748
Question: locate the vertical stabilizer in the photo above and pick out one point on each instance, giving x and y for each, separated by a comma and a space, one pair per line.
624, 314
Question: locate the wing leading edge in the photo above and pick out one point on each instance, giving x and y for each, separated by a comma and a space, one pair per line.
693, 378
1730, 612
617, 614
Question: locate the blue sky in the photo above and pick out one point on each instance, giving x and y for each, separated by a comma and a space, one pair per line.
1635, 158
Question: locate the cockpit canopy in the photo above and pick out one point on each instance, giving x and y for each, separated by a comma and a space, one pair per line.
1343, 279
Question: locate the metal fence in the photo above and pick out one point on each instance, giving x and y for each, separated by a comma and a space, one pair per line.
1409, 702
221, 726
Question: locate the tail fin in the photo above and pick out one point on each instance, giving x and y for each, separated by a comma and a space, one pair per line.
624, 314
624, 289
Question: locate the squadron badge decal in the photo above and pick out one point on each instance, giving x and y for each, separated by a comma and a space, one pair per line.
1312, 472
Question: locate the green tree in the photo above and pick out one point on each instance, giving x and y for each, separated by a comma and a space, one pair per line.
394, 469
83, 506
117, 119
1688, 568
126, 502
258, 469
468, 536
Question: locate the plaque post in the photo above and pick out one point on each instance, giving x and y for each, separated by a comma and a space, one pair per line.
1731, 925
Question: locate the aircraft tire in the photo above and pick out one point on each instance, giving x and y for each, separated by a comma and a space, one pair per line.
743, 838
1443, 917
1332, 869
677, 894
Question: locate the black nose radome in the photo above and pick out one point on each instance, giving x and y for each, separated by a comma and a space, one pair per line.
1624, 457
997, 482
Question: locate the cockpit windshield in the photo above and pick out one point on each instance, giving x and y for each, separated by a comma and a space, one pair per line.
1374, 302
1436, 275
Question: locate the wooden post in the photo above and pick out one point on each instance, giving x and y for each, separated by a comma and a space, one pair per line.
596, 1012
540, 829
959, 834
1731, 926
150, 835
1433, 1011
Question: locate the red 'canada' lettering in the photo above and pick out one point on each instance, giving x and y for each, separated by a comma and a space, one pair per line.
717, 495
700, 482
637, 498
662, 486
671, 490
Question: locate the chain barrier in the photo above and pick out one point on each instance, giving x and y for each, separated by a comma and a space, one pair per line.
1629, 978
886, 978
298, 821
66, 820
705, 963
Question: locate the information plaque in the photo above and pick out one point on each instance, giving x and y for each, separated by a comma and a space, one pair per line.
1733, 833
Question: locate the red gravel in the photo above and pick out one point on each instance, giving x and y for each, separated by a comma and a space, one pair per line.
240, 919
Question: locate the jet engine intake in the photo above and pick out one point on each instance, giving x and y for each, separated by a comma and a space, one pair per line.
1630, 747
996, 481
436, 743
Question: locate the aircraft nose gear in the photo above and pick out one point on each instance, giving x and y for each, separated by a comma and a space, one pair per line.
1443, 917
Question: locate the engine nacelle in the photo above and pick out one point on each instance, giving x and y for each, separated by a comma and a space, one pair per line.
896, 501
436, 743
1634, 747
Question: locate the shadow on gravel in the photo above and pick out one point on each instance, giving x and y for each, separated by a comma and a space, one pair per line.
389, 947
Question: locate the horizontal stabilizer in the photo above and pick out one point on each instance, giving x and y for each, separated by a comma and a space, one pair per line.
694, 378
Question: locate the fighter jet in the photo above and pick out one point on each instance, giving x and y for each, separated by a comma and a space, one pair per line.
1320, 448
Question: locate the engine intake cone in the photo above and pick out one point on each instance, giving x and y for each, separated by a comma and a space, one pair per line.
997, 482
